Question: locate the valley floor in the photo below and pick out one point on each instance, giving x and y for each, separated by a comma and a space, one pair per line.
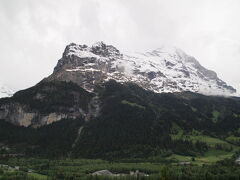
218, 162
184, 167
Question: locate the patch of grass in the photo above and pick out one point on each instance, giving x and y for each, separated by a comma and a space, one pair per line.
211, 141
179, 158
236, 115
37, 176
176, 130
216, 115
194, 109
132, 104
212, 156
233, 139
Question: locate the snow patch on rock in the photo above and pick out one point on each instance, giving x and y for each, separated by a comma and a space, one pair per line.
5, 91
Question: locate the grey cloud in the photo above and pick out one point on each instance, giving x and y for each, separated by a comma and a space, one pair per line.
34, 33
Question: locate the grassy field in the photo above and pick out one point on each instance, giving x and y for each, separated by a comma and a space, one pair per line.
211, 141
210, 157
155, 167
37, 176
214, 154
198, 136
80, 169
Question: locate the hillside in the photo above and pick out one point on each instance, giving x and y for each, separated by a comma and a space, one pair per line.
132, 123
101, 103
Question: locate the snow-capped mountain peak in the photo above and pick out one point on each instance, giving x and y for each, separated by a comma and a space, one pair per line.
161, 70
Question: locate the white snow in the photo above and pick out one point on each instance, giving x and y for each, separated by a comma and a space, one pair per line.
78, 51
5, 91
174, 70
82, 69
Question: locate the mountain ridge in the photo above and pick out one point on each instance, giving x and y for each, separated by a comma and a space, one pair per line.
161, 70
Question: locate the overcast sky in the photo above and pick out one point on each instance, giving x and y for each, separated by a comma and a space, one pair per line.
34, 33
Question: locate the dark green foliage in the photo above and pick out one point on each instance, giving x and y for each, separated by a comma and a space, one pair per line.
54, 140
14, 176
55, 96
137, 123
133, 123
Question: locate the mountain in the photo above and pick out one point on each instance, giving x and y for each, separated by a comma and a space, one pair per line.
123, 120
161, 70
100, 103
5, 91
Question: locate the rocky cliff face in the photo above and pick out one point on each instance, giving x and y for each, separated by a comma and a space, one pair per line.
22, 115
46, 103
161, 70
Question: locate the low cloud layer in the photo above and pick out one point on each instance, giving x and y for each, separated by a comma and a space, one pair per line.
34, 33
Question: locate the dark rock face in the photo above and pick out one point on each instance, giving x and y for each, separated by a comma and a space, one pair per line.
105, 50
162, 70
151, 75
